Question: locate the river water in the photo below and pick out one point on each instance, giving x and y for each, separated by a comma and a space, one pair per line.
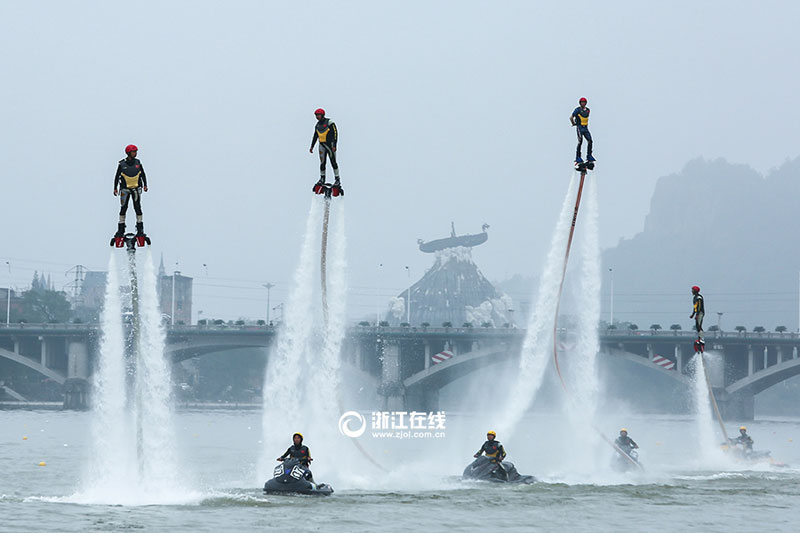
219, 489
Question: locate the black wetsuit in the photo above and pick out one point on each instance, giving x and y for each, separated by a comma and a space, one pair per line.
493, 449
745, 440
328, 136
298, 452
580, 119
129, 180
698, 311
626, 443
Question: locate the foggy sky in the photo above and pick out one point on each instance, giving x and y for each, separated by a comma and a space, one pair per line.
446, 111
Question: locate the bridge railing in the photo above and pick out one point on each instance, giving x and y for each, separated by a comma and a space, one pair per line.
400, 331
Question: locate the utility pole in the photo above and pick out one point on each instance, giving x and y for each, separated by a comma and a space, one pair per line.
268, 286
611, 311
378, 296
719, 320
174, 276
8, 296
408, 297
76, 285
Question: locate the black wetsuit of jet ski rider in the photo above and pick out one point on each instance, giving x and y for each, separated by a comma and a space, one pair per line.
492, 448
745, 440
129, 182
625, 443
297, 451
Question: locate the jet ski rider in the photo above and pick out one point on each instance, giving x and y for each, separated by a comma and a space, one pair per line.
297, 451
494, 450
626, 443
745, 440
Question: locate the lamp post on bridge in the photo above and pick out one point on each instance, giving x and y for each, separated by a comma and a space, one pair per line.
611, 310
378, 297
268, 286
719, 320
8, 296
408, 297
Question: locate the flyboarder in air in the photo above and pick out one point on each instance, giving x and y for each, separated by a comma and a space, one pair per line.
328, 136
129, 183
698, 311
580, 120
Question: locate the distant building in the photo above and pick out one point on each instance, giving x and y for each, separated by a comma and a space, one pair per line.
182, 293
93, 290
90, 300
453, 290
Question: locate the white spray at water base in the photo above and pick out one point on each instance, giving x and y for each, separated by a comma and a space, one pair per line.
132, 460
282, 392
535, 354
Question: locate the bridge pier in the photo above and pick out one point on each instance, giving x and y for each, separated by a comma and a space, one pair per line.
391, 387
77, 359
423, 399
679, 358
738, 406
359, 356
43, 352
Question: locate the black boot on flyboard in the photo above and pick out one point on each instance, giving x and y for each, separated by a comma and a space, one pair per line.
121, 239
328, 189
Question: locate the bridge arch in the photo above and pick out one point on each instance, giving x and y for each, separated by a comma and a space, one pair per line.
766, 378
459, 366
33, 365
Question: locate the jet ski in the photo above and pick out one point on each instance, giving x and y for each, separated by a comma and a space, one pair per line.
486, 469
627, 462
741, 455
293, 477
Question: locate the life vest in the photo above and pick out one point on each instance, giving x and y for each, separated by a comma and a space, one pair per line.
131, 172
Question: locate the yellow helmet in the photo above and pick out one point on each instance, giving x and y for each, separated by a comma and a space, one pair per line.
623, 429
492, 433
742, 428
299, 434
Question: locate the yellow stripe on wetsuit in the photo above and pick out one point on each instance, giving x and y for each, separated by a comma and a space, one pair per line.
131, 182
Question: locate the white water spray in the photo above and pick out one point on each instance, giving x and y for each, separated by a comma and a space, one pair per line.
153, 382
707, 442
582, 359
535, 353
132, 460
112, 443
585, 385
323, 396
284, 373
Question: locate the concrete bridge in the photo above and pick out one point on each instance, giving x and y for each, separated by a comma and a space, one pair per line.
743, 364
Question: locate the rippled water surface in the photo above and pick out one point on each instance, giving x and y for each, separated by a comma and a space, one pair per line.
219, 450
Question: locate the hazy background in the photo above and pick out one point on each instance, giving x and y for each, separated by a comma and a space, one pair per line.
446, 111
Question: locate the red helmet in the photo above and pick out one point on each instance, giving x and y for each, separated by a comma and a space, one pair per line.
131, 148
320, 111
582, 100
695, 289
